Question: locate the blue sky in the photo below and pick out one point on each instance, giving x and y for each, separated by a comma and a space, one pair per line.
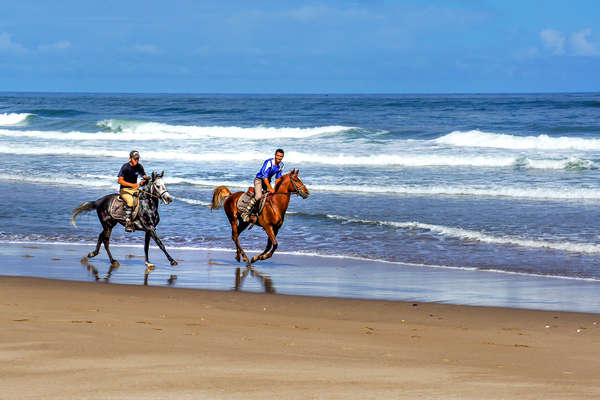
300, 46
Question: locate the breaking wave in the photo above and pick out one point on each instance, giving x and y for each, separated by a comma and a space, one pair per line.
477, 138
13, 118
154, 130
471, 235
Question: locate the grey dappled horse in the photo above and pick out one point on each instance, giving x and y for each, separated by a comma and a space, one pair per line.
146, 220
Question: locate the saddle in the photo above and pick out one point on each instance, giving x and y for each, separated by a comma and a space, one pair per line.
245, 198
117, 208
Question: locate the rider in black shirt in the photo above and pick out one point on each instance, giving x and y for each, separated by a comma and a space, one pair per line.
128, 176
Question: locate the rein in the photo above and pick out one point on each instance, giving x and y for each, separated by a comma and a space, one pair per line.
152, 194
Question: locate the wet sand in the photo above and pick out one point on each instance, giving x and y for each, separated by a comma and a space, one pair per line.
62, 339
305, 275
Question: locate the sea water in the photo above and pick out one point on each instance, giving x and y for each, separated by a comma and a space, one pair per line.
506, 182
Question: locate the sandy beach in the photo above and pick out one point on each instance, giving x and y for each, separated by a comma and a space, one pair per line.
64, 339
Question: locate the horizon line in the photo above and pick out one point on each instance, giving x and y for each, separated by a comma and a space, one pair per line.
298, 93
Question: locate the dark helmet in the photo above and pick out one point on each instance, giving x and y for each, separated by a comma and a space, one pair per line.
134, 154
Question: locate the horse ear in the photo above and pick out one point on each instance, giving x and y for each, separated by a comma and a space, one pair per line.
153, 175
162, 173
297, 171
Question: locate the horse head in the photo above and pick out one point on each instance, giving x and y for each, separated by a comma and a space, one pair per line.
298, 187
158, 188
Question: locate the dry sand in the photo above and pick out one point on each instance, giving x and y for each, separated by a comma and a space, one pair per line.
78, 340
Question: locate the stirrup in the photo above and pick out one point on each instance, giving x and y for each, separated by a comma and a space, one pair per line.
129, 226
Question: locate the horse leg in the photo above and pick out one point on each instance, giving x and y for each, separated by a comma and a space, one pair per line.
269, 245
275, 244
97, 250
235, 236
271, 235
146, 247
162, 246
106, 239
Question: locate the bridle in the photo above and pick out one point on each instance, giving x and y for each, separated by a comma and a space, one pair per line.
297, 188
159, 196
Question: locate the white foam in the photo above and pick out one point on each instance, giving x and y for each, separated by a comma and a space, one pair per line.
194, 202
494, 191
13, 118
477, 138
409, 160
466, 234
159, 130
109, 181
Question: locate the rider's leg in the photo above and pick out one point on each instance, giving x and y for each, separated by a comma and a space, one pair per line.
258, 192
127, 196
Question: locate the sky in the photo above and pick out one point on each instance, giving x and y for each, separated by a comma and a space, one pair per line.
304, 46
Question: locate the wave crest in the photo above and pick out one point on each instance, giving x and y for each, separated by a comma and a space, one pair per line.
156, 130
477, 138
13, 118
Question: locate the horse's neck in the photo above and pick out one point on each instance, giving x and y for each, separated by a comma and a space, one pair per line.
284, 196
151, 200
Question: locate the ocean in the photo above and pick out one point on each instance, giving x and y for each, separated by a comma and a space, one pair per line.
506, 183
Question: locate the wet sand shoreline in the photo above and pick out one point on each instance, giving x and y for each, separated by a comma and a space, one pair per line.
300, 274
64, 339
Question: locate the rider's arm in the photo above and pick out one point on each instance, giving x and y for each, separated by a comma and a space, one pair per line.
268, 183
143, 174
125, 183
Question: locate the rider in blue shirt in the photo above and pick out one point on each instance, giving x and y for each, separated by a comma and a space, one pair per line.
262, 181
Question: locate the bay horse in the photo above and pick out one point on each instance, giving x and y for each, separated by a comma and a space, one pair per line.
271, 218
146, 220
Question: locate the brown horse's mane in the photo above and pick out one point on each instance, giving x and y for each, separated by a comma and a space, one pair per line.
281, 181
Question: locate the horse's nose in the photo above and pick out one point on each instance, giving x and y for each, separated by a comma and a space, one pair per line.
168, 199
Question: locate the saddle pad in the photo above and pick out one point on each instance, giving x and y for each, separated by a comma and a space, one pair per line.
117, 209
245, 198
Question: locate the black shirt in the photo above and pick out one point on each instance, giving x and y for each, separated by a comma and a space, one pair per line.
130, 174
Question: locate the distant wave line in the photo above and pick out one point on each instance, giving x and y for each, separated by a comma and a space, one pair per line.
477, 138
383, 160
156, 131
466, 234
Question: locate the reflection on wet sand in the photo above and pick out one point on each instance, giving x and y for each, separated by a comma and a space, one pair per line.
264, 279
96, 274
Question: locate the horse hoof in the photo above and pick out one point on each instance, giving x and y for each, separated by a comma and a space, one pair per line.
91, 254
150, 267
237, 258
115, 264
173, 262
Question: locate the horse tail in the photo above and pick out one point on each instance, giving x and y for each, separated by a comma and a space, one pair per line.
84, 207
219, 196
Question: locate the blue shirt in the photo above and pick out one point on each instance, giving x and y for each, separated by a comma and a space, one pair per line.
269, 169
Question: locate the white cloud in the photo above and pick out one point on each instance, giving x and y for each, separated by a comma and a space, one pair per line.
553, 40
145, 48
7, 45
54, 47
580, 44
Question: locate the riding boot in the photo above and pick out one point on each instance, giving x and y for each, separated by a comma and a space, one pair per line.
246, 213
128, 222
